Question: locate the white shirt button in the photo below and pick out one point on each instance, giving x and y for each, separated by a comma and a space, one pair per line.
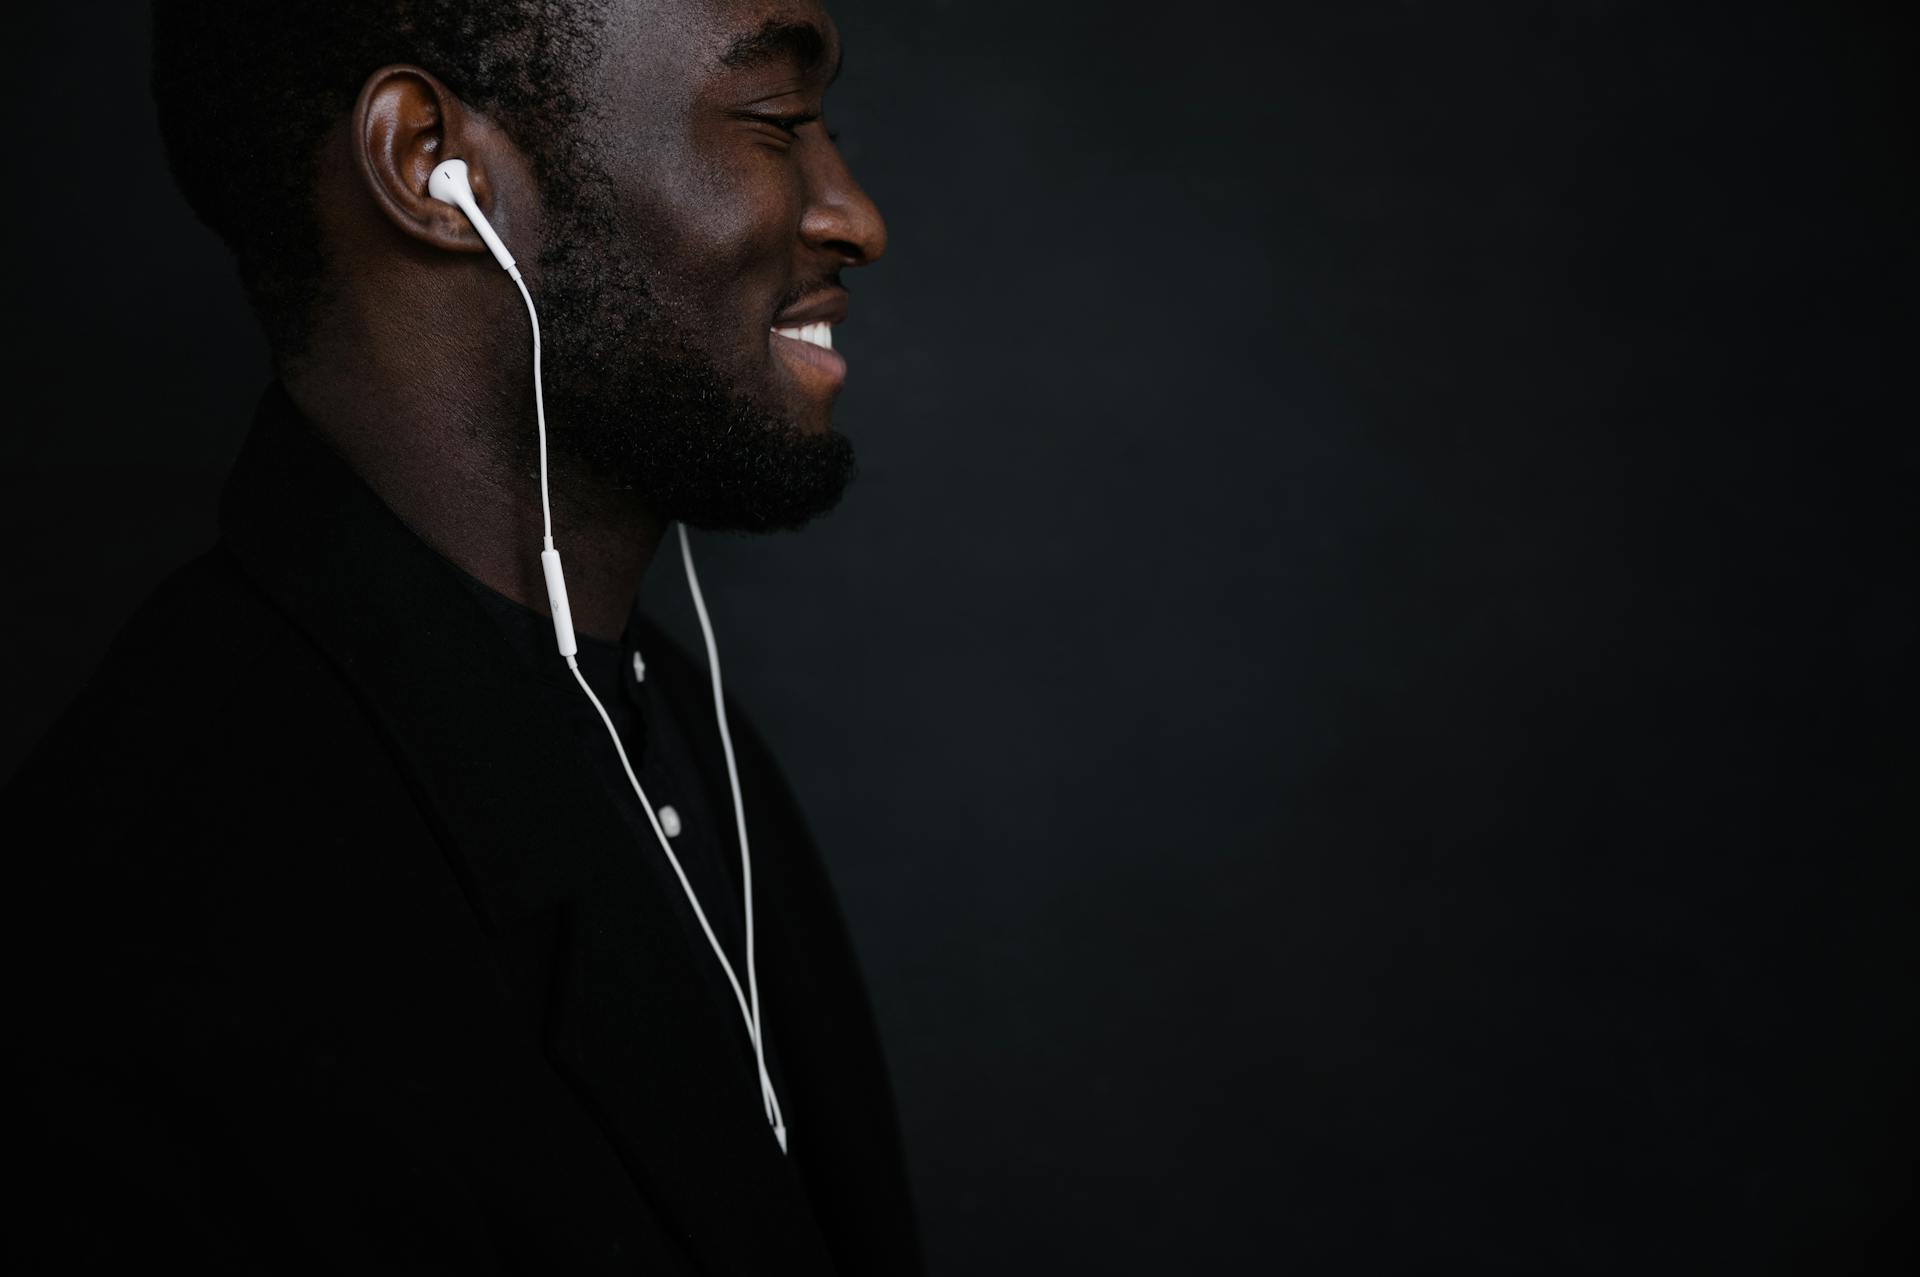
669, 821
639, 669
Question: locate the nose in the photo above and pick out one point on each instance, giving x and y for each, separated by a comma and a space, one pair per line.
841, 221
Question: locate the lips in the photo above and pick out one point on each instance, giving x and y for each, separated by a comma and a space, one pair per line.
802, 337
822, 306
811, 357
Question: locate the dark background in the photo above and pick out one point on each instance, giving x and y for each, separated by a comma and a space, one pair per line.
1361, 708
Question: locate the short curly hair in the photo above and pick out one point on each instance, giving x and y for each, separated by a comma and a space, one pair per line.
246, 91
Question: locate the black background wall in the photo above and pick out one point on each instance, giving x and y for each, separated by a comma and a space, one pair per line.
1361, 708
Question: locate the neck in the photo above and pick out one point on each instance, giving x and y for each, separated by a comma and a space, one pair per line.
440, 453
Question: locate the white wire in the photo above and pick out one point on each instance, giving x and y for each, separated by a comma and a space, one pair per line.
539, 409
767, 1095
749, 1004
733, 772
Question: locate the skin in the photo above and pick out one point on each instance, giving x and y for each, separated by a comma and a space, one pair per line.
421, 365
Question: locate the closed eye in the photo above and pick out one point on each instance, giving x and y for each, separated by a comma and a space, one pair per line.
788, 124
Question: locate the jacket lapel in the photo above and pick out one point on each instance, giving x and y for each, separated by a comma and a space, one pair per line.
495, 755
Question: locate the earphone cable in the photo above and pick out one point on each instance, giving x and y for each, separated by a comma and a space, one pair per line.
771, 1101
750, 1000
733, 769
449, 184
539, 408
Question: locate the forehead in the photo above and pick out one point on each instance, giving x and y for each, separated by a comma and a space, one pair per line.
666, 50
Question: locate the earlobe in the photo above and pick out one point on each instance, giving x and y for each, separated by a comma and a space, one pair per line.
406, 122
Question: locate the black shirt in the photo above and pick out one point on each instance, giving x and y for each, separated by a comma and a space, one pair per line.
337, 943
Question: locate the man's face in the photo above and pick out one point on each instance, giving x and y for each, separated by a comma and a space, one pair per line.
704, 207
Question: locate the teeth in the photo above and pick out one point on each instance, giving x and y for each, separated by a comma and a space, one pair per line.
813, 334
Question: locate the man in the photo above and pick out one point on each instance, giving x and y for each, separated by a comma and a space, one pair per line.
342, 941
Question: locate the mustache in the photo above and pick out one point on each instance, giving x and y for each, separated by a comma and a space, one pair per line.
830, 284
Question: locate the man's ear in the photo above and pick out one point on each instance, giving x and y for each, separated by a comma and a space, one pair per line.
404, 123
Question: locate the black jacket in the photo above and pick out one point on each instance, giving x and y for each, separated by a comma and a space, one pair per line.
330, 951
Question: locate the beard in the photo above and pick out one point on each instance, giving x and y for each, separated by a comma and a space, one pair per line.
634, 402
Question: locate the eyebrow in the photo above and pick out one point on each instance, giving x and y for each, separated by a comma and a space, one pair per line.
781, 40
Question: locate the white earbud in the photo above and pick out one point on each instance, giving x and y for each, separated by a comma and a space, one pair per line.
449, 185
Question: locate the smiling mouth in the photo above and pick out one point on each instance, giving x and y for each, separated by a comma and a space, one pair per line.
808, 351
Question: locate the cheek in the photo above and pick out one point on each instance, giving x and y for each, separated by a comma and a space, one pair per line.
708, 226
746, 226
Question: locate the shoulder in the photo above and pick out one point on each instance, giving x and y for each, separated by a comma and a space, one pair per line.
193, 684
212, 742
216, 826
